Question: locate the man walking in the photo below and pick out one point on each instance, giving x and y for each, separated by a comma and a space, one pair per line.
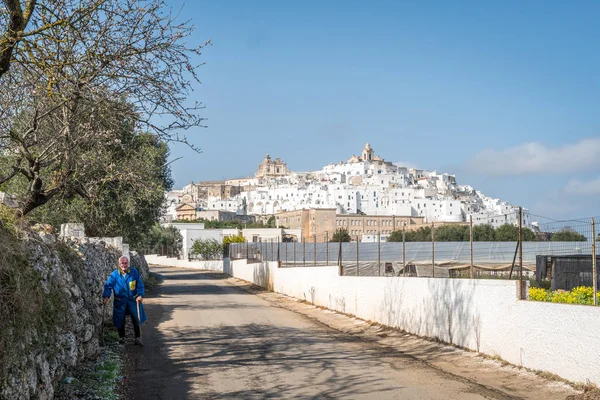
127, 285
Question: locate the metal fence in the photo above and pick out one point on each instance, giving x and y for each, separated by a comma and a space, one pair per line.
514, 259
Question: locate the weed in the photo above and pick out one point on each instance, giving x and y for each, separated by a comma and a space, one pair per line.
98, 379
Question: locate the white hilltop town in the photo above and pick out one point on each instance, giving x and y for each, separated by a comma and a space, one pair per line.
365, 194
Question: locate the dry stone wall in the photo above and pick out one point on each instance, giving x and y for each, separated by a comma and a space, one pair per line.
76, 268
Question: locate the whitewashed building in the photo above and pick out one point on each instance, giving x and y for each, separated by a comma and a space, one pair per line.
367, 184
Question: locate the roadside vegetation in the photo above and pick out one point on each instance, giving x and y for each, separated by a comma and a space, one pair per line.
341, 235
209, 224
212, 249
96, 379
24, 302
579, 295
483, 233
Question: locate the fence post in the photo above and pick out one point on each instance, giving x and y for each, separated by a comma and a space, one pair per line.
594, 266
286, 253
295, 252
340, 267
303, 252
471, 243
432, 250
278, 252
315, 249
357, 242
404, 249
247, 250
379, 252
327, 248
520, 253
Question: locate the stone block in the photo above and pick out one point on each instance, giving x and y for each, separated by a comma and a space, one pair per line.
72, 230
125, 248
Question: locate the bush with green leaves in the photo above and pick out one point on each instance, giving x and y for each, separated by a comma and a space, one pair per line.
341, 235
227, 240
568, 235
162, 240
460, 233
207, 249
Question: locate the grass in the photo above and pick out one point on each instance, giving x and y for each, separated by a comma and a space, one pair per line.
98, 379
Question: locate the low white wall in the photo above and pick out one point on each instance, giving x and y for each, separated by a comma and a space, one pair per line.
209, 265
482, 315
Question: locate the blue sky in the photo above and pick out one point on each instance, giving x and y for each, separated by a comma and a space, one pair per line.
505, 95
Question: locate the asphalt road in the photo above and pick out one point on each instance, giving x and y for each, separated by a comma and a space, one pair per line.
207, 338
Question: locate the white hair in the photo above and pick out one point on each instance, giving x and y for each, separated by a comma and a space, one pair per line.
124, 257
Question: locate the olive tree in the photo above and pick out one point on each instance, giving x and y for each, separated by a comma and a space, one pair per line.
122, 65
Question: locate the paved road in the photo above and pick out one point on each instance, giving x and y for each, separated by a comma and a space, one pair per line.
207, 338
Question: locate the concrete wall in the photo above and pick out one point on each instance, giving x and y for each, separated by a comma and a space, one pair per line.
481, 315
209, 265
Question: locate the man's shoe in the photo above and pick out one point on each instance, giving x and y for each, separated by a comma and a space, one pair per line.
138, 342
122, 340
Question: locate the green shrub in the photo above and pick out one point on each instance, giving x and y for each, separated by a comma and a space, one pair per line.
208, 249
227, 240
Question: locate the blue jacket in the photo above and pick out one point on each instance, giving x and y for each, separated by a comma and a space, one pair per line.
126, 289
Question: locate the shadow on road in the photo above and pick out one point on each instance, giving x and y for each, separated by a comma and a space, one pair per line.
252, 360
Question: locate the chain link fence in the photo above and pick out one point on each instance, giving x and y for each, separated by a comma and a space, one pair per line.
493, 248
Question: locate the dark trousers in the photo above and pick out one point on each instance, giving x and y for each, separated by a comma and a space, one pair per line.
136, 326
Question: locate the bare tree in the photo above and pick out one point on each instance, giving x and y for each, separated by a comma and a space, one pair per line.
122, 64
18, 15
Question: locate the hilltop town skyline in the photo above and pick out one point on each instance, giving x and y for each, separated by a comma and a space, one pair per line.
507, 105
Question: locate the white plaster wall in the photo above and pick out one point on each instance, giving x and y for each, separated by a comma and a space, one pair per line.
482, 315
209, 265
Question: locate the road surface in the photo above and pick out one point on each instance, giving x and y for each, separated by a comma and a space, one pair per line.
207, 338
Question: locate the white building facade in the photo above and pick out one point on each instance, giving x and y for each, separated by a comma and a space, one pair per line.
367, 184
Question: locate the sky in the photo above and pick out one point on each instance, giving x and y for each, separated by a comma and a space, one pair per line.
504, 95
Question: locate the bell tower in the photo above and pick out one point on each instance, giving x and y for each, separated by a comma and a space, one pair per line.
367, 153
